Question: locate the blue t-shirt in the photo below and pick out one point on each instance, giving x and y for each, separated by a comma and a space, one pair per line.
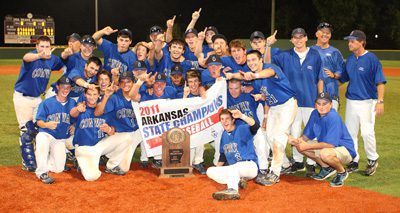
238, 145
274, 51
189, 55
276, 88
169, 93
76, 74
114, 59
228, 61
87, 128
329, 129
303, 77
245, 103
206, 79
332, 59
206, 49
34, 76
363, 74
122, 111
165, 64
52, 110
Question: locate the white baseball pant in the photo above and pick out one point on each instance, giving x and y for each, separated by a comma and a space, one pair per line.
361, 113
231, 174
134, 139
24, 108
303, 114
196, 155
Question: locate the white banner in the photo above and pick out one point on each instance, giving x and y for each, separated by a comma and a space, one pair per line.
199, 117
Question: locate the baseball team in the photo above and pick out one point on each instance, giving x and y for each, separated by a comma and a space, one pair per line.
274, 98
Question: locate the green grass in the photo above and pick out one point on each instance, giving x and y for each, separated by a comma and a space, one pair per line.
384, 181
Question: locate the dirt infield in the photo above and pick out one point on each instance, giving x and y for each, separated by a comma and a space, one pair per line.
142, 191
14, 70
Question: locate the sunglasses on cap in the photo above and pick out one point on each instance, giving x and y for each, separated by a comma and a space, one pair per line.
324, 25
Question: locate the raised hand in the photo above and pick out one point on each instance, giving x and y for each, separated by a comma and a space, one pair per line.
67, 52
196, 14
236, 113
115, 71
186, 91
108, 30
109, 90
170, 22
202, 35
271, 39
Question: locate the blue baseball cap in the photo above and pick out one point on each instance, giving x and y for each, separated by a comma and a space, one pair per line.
64, 80
356, 34
161, 77
324, 96
214, 60
139, 65
126, 75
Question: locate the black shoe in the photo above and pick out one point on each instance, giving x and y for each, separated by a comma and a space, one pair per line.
46, 179
70, 157
297, 166
103, 160
310, 170
28, 169
115, 171
144, 164
66, 168
200, 168
352, 167
371, 167
157, 164
271, 179
286, 170
228, 194
242, 183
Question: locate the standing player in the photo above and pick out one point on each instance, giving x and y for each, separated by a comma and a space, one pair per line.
364, 97
303, 68
237, 149
213, 71
332, 62
32, 82
54, 124
116, 55
333, 147
74, 42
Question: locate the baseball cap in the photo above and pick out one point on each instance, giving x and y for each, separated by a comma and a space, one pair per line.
156, 29
324, 96
191, 30
216, 36
74, 36
161, 77
212, 28
88, 39
64, 80
125, 32
300, 31
213, 60
356, 34
139, 65
126, 75
325, 25
176, 69
257, 34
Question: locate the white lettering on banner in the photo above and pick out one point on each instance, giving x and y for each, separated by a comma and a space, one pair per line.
199, 117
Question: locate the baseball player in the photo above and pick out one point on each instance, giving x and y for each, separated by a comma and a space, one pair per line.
213, 71
258, 42
54, 124
219, 44
279, 111
191, 41
364, 95
193, 88
237, 150
116, 55
303, 68
332, 61
176, 80
91, 142
32, 81
332, 147
120, 106
74, 42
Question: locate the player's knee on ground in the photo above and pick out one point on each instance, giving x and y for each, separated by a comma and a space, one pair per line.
92, 177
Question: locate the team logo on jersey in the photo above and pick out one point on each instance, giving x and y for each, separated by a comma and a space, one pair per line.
213, 58
328, 54
361, 69
214, 133
309, 67
139, 64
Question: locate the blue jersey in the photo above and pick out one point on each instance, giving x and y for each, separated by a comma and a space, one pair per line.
189, 55
206, 80
34, 76
179, 89
245, 103
114, 59
165, 64
329, 129
238, 145
363, 74
87, 128
122, 111
76, 74
169, 93
52, 110
276, 88
228, 61
303, 77
332, 59
274, 51
206, 49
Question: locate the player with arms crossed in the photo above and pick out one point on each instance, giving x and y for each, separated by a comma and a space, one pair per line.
333, 146
237, 149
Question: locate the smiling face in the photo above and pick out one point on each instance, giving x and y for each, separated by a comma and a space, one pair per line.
209, 35
191, 39
227, 121
87, 50
141, 52
238, 54
194, 85
158, 88
323, 35
91, 69
220, 46
323, 106
176, 51
258, 44
125, 84
63, 90
92, 95
299, 41
103, 81
254, 62
355, 45
215, 70
177, 79
123, 44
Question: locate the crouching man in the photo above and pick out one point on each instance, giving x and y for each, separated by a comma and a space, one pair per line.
237, 150
327, 141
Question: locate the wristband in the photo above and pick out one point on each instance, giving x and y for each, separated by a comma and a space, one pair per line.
86, 85
243, 116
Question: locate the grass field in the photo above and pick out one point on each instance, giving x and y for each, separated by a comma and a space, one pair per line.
386, 180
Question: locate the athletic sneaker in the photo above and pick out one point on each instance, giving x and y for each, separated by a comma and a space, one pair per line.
116, 171
339, 179
324, 173
371, 167
262, 177
286, 170
144, 164
200, 168
228, 194
70, 157
352, 167
103, 160
157, 164
46, 179
242, 183
271, 179
310, 170
27, 168
297, 166
66, 168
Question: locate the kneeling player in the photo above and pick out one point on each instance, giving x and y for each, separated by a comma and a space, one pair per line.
90, 139
333, 146
237, 149
54, 123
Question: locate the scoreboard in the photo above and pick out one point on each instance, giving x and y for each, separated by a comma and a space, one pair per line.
26, 30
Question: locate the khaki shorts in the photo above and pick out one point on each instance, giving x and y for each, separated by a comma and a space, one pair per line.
341, 153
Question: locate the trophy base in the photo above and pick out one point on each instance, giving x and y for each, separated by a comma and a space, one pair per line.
176, 172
